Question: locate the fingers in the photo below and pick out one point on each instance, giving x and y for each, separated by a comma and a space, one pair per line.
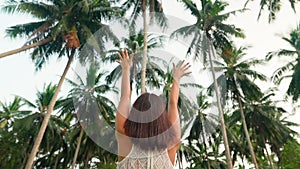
186, 66
125, 61
120, 56
126, 52
123, 54
180, 64
187, 73
183, 66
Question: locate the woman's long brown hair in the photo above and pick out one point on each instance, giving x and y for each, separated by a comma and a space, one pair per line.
148, 124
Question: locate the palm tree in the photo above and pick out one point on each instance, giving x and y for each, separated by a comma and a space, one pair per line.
24, 129
203, 142
210, 28
239, 85
90, 154
138, 7
93, 89
56, 24
70, 23
268, 125
55, 144
209, 25
10, 113
292, 66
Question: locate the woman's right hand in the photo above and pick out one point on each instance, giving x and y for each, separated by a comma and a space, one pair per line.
180, 70
125, 61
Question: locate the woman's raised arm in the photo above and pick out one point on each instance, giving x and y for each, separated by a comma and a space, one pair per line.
178, 72
124, 104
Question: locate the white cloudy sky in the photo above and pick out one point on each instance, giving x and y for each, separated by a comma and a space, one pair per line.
18, 74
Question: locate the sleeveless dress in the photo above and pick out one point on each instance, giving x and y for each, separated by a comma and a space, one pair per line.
143, 159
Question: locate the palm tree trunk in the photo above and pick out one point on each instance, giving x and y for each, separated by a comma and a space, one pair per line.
56, 161
269, 158
145, 52
77, 148
152, 5
268, 155
26, 153
86, 159
48, 114
246, 131
223, 126
2, 55
24, 162
205, 149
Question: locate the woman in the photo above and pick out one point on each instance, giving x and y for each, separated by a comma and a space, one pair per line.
148, 135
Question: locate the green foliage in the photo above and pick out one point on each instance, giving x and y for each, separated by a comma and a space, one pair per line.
58, 18
239, 75
290, 155
210, 25
273, 7
22, 129
137, 7
290, 70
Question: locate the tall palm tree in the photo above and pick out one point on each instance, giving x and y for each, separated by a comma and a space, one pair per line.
202, 139
268, 125
56, 24
210, 24
55, 144
140, 7
210, 27
10, 113
293, 66
68, 24
239, 85
24, 129
87, 91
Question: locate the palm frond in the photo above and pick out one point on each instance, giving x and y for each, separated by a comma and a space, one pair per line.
294, 87
190, 5
280, 71
185, 31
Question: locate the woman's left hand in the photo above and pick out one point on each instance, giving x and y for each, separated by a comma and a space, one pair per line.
125, 61
180, 70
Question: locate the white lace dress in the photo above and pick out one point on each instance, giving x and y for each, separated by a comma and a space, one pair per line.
142, 159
